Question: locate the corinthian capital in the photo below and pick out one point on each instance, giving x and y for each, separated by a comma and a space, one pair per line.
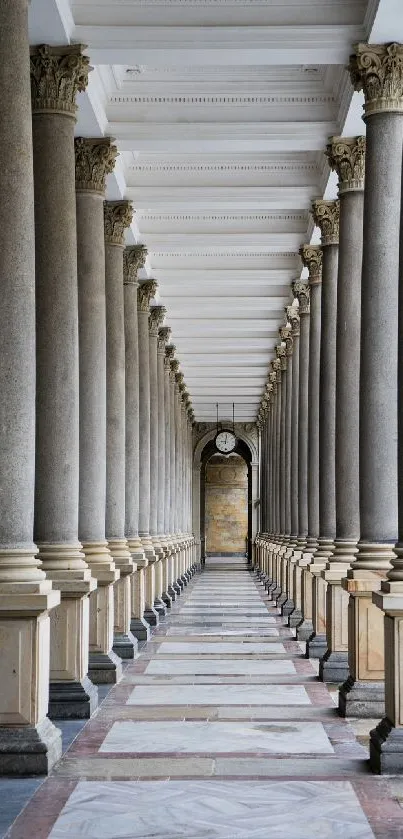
276, 367
57, 75
377, 69
311, 257
302, 293
164, 334
326, 215
117, 218
170, 351
285, 333
134, 258
157, 314
346, 156
95, 159
145, 292
293, 318
281, 353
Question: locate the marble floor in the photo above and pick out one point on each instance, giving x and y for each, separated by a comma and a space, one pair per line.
219, 729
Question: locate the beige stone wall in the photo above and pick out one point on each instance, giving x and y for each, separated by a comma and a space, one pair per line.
226, 505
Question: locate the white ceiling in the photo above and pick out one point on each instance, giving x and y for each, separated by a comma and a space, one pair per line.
221, 110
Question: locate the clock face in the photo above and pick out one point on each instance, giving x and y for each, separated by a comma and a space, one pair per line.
225, 441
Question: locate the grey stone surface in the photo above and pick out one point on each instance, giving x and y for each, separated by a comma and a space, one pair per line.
29, 750
316, 646
313, 415
386, 749
333, 667
125, 645
362, 699
115, 387
104, 668
140, 629
92, 365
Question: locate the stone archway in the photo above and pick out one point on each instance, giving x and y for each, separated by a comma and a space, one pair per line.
248, 448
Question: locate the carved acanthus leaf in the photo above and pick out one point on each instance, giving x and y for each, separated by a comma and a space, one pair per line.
118, 217
95, 159
145, 292
157, 315
293, 317
326, 215
285, 333
346, 156
311, 257
164, 335
134, 258
302, 293
377, 69
57, 75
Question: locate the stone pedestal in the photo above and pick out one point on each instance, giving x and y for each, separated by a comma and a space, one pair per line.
363, 693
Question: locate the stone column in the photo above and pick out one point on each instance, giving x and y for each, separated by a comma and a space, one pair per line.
157, 314
347, 157
94, 159
295, 616
117, 218
169, 594
57, 73
311, 257
286, 337
146, 291
134, 258
282, 358
163, 459
326, 215
301, 291
29, 742
173, 500
378, 70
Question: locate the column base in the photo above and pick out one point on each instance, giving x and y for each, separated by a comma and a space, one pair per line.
72, 700
125, 645
167, 599
295, 618
140, 629
281, 600
104, 668
151, 616
174, 591
160, 607
287, 607
316, 646
362, 699
333, 667
304, 630
386, 749
28, 749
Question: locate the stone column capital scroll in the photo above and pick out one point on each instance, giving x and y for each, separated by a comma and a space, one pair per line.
117, 218
281, 354
285, 333
164, 335
157, 315
346, 156
145, 292
326, 215
301, 292
311, 257
57, 75
95, 159
377, 70
293, 318
134, 258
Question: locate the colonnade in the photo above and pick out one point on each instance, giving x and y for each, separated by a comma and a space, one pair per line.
330, 547
95, 419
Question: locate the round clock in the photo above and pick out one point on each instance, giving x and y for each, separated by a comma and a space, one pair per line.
225, 441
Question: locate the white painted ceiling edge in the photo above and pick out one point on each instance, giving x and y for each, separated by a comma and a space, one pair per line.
51, 21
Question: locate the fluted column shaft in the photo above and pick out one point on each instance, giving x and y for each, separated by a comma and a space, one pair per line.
167, 481
22, 676
146, 291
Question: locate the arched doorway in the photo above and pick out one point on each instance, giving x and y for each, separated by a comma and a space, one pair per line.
221, 491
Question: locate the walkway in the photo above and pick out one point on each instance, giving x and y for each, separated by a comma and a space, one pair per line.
219, 730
